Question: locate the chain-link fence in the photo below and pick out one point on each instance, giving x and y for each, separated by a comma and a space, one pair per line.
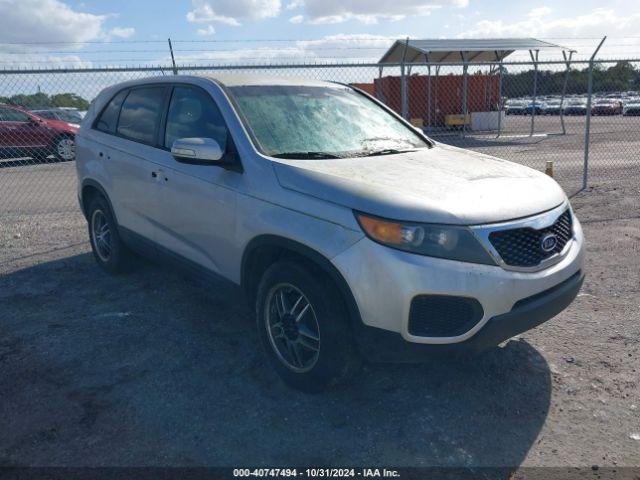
523, 112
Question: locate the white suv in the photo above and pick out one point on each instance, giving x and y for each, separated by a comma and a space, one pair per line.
353, 234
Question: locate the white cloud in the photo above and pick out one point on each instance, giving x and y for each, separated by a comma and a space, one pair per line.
297, 19
122, 32
586, 29
28, 21
232, 12
206, 32
333, 48
293, 4
370, 12
581, 32
598, 22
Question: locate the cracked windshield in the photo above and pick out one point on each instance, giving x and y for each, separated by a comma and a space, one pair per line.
320, 122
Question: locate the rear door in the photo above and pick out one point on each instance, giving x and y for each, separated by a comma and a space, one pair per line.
129, 152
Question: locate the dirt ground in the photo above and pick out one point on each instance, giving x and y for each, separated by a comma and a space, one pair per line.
152, 368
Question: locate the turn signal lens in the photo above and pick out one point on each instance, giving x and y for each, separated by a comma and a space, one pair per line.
393, 233
381, 230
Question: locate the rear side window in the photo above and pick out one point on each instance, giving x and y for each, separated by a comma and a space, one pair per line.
193, 113
109, 117
140, 114
10, 115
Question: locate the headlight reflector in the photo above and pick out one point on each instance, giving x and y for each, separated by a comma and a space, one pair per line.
443, 241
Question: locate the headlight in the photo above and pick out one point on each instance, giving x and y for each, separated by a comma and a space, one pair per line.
442, 241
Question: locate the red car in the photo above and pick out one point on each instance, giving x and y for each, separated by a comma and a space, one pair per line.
24, 134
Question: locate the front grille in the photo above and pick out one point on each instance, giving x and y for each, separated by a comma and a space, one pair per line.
522, 247
443, 315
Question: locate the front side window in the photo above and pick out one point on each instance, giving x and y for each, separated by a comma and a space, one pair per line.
140, 114
109, 117
193, 114
11, 115
320, 122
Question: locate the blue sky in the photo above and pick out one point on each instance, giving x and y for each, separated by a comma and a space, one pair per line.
338, 28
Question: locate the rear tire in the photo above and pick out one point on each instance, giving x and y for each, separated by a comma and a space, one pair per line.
109, 250
64, 148
303, 326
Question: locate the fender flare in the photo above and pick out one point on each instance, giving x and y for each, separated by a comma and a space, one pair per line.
310, 254
93, 183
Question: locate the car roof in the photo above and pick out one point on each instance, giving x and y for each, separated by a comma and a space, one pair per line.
229, 80
235, 80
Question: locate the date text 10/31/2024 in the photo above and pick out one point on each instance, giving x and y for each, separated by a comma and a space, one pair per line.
317, 472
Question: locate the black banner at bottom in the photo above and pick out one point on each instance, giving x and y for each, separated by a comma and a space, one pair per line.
398, 473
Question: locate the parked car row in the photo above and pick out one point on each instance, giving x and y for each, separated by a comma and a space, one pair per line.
71, 116
575, 105
38, 134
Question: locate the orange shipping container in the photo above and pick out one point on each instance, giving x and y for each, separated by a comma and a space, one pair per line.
446, 95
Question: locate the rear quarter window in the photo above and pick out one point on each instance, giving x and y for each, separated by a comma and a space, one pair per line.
108, 119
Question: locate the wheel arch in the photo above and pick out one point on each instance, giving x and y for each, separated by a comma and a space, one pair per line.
264, 250
91, 188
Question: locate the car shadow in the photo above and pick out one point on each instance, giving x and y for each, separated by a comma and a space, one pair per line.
152, 368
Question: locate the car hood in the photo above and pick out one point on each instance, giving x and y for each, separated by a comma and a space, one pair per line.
443, 184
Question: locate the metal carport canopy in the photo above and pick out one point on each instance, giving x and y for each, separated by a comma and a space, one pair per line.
460, 50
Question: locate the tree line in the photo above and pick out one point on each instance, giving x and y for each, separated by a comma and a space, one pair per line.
621, 77
43, 100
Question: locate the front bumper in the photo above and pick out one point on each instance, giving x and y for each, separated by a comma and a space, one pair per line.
379, 345
384, 282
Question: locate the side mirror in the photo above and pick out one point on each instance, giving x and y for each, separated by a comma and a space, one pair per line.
201, 151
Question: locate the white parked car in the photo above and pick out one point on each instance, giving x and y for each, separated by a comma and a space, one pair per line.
352, 233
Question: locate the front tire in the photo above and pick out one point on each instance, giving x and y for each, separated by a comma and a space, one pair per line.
110, 252
303, 326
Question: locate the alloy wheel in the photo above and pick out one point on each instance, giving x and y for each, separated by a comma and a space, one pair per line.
101, 235
66, 149
292, 327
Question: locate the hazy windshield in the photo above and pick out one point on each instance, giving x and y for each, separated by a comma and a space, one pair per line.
285, 120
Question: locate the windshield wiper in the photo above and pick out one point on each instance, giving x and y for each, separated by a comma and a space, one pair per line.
384, 151
306, 155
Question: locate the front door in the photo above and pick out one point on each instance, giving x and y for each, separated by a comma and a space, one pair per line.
198, 201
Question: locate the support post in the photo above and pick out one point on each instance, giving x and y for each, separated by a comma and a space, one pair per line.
587, 129
534, 59
404, 105
564, 87
500, 106
426, 57
173, 60
465, 67
437, 95
378, 92
488, 93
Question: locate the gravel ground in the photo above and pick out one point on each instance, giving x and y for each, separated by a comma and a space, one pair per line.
152, 368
